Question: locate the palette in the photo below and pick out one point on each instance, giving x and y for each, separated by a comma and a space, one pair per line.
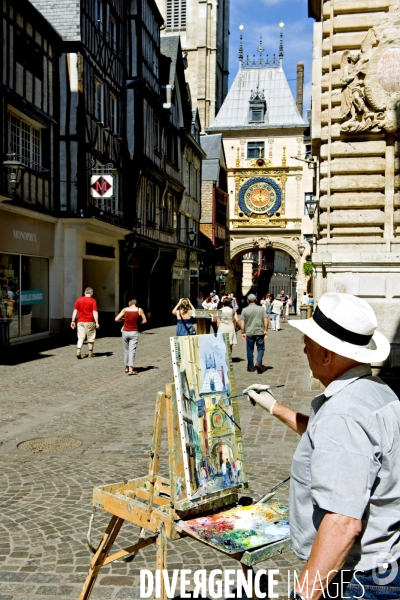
241, 528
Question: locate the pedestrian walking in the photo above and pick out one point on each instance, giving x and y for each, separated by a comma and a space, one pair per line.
226, 323
311, 301
234, 304
288, 307
132, 317
284, 299
199, 300
85, 308
211, 304
254, 326
305, 300
345, 480
276, 311
183, 313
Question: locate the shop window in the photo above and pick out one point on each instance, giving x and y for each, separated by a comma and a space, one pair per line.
10, 291
34, 295
25, 141
24, 282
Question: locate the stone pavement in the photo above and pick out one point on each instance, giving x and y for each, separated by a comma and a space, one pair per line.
45, 497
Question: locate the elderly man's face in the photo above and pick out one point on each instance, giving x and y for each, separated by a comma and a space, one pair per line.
315, 355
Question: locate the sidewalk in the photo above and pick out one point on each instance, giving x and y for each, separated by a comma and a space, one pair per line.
45, 497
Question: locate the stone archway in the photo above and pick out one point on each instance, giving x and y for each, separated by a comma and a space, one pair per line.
241, 246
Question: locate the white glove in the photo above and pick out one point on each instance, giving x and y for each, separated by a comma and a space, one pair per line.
265, 399
256, 387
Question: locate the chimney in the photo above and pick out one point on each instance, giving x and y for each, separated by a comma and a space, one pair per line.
300, 83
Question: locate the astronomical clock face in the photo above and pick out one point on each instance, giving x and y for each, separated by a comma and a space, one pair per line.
217, 419
260, 196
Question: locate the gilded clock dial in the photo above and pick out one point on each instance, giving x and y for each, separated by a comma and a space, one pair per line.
260, 197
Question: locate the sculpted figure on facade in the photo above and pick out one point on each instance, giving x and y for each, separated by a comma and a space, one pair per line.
371, 79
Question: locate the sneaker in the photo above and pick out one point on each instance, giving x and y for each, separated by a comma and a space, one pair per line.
78, 355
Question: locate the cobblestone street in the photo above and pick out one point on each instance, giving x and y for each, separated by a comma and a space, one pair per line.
46, 496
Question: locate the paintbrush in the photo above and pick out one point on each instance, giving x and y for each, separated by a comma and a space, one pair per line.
272, 387
258, 391
271, 493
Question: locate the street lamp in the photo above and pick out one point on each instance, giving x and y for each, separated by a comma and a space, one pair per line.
301, 249
312, 206
16, 169
191, 237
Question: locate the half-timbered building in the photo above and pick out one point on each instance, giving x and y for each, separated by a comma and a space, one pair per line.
161, 148
92, 209
29, 197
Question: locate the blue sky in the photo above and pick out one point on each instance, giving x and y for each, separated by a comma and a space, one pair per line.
263, 18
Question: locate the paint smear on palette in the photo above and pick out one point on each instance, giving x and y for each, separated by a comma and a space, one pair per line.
241, 528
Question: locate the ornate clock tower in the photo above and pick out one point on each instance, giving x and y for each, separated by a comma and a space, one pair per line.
266, 142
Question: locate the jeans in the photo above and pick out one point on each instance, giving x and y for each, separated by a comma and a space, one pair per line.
258, 340
371, 585
129, 342
276, 321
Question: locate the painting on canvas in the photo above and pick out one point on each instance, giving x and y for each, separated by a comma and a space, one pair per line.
209, 418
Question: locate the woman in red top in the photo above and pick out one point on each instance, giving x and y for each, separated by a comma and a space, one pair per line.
131, 316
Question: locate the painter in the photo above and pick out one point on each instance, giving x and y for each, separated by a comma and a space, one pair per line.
345, 477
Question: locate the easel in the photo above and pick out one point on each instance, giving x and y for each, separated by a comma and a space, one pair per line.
204, 315
158, 505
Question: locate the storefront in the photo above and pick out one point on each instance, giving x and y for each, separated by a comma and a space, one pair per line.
26, 247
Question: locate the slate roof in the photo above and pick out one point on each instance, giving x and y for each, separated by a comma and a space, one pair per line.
170, 47
281, 106
63, 15
213, 147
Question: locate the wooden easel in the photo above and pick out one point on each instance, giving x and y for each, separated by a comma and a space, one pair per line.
158, 505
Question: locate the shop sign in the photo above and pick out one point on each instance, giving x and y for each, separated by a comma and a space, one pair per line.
194, 272
26, 235
31, 297
102, 186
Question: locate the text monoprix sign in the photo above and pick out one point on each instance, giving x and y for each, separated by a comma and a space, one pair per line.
102, 186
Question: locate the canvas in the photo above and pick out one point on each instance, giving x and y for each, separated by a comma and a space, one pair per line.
209, 419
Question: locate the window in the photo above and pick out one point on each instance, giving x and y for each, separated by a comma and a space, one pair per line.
257, 115
98, 100
28, 54
157, 136
25, 141
150, 202
98, 14
113, 113
163, 212
113, 33
170, 207
176, 14
255, 149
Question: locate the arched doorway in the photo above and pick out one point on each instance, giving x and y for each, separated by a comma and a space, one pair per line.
261, 265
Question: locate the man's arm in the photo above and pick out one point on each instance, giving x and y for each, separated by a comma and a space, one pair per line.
293, 419
96, 318
242, 324
265, 326
74, 315
335, 537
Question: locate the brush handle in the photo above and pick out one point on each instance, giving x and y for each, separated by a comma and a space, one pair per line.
272, 387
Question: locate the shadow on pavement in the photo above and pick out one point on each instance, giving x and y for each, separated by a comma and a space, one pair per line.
28, 351
142, 369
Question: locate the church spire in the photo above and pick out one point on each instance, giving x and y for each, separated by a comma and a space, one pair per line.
281, 25
241, 47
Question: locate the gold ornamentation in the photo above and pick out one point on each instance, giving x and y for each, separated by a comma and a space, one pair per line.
258, 222
284, 157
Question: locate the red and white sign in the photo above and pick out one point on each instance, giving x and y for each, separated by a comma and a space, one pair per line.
102, 186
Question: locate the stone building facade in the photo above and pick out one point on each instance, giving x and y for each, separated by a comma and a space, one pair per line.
204, 31
355, 99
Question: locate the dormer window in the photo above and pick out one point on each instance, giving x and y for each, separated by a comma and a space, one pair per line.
257, 106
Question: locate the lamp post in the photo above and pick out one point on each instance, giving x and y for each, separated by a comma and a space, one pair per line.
15, 169
301, 249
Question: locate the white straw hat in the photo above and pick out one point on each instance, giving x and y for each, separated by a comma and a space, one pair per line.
346, 325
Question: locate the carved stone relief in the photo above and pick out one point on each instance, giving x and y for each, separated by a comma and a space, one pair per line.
371, 79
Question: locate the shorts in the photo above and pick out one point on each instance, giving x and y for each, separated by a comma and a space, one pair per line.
87, 330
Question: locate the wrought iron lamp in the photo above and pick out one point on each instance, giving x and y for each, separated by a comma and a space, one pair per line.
191, 237
312, 205
16, 169
301, 249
